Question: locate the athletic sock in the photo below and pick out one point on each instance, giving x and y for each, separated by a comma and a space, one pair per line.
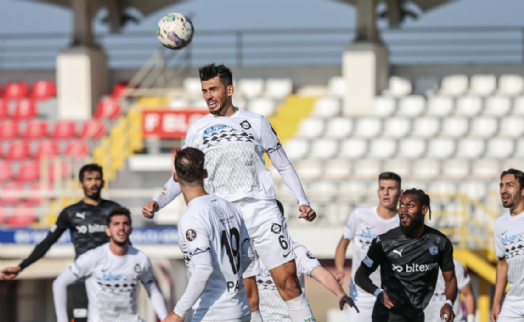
299, 309
256, 317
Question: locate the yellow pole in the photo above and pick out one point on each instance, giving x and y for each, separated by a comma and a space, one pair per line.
483, 300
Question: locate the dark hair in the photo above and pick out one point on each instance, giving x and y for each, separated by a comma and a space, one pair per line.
90, 168
211, 71
189, 165
422, 197
519, 175
390, 176
280, 207
118, 211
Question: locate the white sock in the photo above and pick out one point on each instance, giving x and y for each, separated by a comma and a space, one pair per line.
256, 317
299, 309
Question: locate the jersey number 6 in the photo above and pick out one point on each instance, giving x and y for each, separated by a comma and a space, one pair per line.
232, 252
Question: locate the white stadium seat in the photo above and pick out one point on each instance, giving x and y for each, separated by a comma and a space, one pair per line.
440, 106
192, 85
512, 127
382, 148
518, 106
411, 106
425, 85
367, 127
483, 127
311, 127
454, 127
296, 148
383, 106
337, 86
511, 85
411, 148
278, 88
323, 149
353, 148
338, 169
400, 167
519, 151
468, 106
454, 85
485, 168
425, 127
511, 163
263, 106
398, 86
497, 106
308, 169
199, 103
441, 148
426, 168
327, 106
323, 190
339, 127
396, 127
455, 168
441, 186
240, 103
251, 87
483, 85
499, 148
470, 148
366, 169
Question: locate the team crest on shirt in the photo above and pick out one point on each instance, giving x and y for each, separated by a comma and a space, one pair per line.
245, 125
138, 269
191, 235
310, 256
276, 228
433, 249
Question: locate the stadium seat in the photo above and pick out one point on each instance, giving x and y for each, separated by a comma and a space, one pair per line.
263, 106
442, 186
512, 127
278, 88
483, 127
23, 215
455, 168
383, 106
8, 130
497, 106
518, 106
77, 149
92, 130
337, 169
425, 85
327, 107
192, 86
366, 169
28, 172
107, 109
16, 91
426, 169
353, 148
25, 109
47, 149
337, 86
64, 130
412, 148
43, 90
12, 187
425, 127
35, 129
454, 127
198, 104
310, 127
454, 85
411, 106
400, 167
468, 106
485, 168
120, 88
483, 85
511, 85
296, 148
441, 148
500, 148
470, 148
57, 168
440, 106
473, 189
382, 148
323, 190
323, 149
4, 109
367, 127
339, 127
396, 127
18, 150
35, 198
251, 87
398, 86
308, 169
6, 171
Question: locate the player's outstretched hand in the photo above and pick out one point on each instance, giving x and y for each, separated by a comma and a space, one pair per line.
307, 213
346, 299
10, 273
446, 313
149, 210
389, 300
495, 311
173, 317
339, 276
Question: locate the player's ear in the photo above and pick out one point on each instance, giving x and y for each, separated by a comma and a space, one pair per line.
103, 184
175, 177
107, 231
425, 209
205, 174
230, 90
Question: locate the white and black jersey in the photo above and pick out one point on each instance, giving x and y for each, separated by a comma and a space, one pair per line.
409, 267
509, 244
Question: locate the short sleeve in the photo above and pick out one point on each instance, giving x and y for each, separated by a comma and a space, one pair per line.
85, 264
462, 275
195, 235
306, 262
375, 255
190, 138
268, 136
499, 247
446, 258
350, 227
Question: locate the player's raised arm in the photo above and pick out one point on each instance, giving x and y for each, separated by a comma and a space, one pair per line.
153, 292
327, 279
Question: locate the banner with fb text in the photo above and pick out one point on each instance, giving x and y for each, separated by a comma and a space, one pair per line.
168, 124
140, 236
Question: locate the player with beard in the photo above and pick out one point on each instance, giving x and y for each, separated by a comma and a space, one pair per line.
409, 258
86, 221
509, 229
234, 142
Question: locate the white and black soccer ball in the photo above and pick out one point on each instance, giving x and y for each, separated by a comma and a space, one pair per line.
175, 31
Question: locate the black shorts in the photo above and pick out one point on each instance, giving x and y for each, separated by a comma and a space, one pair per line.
382, 314
79, 296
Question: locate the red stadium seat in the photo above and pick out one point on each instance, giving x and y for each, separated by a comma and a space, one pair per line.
47, 149
12, 187
6, 171
92, 130
16, 91
28, 172
23, 215
4, 109
63, 167
107, 109
3, 216
8, 130
35, 199
119, 89
18, 150
77, 149
43, 90
36, 129
64, 130
25, 109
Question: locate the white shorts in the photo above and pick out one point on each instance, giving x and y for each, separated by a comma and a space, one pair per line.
268, 231
512, 310
365, 303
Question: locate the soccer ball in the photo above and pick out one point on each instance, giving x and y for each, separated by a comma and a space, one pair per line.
175, 31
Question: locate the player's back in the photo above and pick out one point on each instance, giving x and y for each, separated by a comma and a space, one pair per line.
213, 224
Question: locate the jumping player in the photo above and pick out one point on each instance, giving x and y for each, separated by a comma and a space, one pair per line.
234, 142
86, 221
112, 273
363, 225
216, 248
409, 257
508, 246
